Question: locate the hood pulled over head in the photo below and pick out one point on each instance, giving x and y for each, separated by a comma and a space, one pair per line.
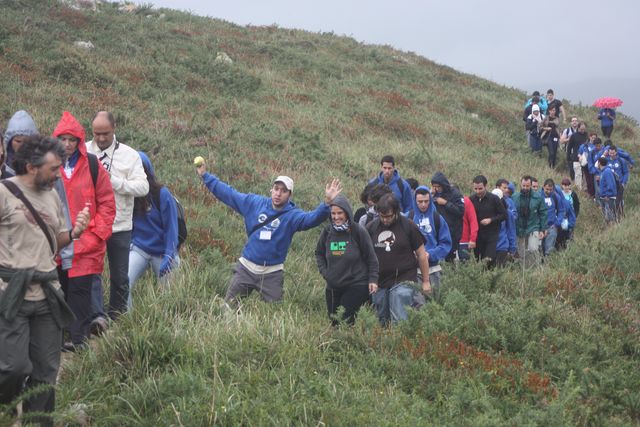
343, 203
441, 179
21, 123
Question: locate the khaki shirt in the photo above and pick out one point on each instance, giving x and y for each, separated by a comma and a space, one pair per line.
22, 242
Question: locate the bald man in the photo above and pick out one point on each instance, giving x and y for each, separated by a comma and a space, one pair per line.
129, 181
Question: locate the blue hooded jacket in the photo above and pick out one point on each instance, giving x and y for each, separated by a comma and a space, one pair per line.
269, 244
608, 186
507, 239
570, 213
438, 247
156, 232
620, 168
402, 191
21, 123
555, 208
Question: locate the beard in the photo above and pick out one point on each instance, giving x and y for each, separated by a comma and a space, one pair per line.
44, 184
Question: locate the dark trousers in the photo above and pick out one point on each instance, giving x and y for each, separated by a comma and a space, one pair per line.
620, 202
349, 297
118, 254
77, 293
572, 173
501, 258
607, 131
552, 148
486, 246
30, 346
270, 285
586, 176
563, 238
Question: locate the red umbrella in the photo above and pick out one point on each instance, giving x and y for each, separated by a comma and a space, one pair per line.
607, 102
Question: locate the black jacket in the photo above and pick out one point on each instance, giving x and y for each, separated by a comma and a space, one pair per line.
490, 206
453, 211
576, 140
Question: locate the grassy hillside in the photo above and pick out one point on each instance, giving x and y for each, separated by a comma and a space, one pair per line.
555, 346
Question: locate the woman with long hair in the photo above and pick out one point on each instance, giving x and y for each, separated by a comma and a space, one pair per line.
154, 238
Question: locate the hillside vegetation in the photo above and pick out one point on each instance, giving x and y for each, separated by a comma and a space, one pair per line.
558, 345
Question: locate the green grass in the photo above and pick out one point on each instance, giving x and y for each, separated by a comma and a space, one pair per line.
555, 346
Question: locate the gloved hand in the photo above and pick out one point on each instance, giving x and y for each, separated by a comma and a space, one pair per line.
166, 265
565, 224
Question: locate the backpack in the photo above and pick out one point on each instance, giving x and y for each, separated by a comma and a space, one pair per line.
182, 223
93, 168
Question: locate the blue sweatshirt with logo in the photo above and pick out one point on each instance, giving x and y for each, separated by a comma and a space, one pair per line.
555, 208
437, 246
269, 243
608, 186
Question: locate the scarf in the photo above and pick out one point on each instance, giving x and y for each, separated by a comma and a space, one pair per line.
342, 227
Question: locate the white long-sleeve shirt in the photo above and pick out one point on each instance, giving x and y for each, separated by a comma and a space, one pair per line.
127, 179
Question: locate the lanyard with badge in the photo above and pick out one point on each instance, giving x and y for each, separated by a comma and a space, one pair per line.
105, 160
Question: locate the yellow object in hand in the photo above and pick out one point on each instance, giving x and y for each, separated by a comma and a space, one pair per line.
198, 161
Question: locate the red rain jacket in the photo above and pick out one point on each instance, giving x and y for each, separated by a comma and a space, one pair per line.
88, 252
469, 222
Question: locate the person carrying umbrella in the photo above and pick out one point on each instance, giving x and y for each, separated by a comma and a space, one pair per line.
607, 114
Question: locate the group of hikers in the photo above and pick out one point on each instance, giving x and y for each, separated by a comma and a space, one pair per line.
601, 169
53, 244
107, 200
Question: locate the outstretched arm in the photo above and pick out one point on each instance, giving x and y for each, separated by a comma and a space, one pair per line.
224, 192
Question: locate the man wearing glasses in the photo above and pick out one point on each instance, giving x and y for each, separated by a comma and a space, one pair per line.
399, 246
129, 181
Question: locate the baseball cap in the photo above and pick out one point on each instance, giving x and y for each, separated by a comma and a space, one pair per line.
288, 182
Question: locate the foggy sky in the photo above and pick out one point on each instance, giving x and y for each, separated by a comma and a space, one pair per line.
588, 48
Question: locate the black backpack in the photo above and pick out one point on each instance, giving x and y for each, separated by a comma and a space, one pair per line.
182, 223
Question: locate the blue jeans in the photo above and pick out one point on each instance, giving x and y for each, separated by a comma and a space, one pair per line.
535, 143
391, 303
608, 209
139, 262
549, 241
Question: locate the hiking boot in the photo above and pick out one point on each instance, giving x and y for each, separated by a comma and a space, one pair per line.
99, 326
69, 347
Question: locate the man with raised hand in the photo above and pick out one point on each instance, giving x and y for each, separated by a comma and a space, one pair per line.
129, 181
270, 223
33, 311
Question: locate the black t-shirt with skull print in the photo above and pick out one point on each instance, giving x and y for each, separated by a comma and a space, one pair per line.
395, 247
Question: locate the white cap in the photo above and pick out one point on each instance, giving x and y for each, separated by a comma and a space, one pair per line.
288, 182
497, 192
535, 108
